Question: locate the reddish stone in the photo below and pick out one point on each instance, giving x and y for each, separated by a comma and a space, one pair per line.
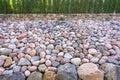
21, 36
2, 37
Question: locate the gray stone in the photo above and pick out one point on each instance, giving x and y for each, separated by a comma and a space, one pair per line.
67, 55
48, 51
76, 61
42, 67
8, 72
16, 68
14, 41
14, 76
34, 58
12, 46
55, 63
50, 47
112, 60
23, 62
75, 45
112, 71
35, 76
66, 72
5, 51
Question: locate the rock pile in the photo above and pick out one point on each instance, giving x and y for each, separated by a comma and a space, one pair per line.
60, 50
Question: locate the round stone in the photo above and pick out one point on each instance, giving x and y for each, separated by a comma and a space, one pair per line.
50, 47
59, 47
23, 68
48, 63
27, 73
32, 68
35, 63
55, 63
42, 60
76, 61
109, 46
42, 54
61, 54
92, 51
42, 67
32, 52
84, 60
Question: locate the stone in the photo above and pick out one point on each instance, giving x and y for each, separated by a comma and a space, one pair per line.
14, 76
48, 57
66, 72
16, 69
69, 48
8, 62
84, 60
42, 54
50, 47
35, 63
90, 71
32, 52
42, 46
61, 54
21, 55
112, 60
111, 71
55, 63
23, 68
48, 63
59, 47
21, 36
67, 55
27, 73
8, 72
108, 46
5, 51
42, 68
55, 51
1, 70
52, 69
49, 75
42, 60
23, 62
76, 61
48, 52
35, 76
92, 51
34, 58
17, 76
1, 61
94, 59
12, 46
32, 68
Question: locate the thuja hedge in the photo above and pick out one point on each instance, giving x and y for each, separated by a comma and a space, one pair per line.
59, 6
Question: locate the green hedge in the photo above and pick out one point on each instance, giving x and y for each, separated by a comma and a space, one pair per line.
59, 6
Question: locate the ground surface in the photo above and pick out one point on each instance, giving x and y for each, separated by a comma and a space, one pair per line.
25, 45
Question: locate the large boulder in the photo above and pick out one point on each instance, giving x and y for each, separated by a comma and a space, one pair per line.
66, 72
112, 71
35, 76
90, 71
14, 76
